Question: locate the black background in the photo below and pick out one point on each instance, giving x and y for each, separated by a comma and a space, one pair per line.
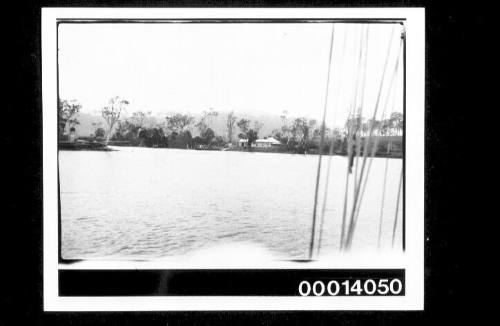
456, 37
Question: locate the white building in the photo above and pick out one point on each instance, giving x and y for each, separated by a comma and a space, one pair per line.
242, 142
267, 142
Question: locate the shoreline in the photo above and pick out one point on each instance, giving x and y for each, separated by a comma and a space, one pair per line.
90, 146
105, 148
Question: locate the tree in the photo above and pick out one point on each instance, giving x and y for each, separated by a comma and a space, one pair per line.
247, 133
139, 119
285, 130
210, 115
181, 140
385, 127
217, 141
313, 131
158, 138
99, 133
111, 113
206, 120
251, 136
257, 126
317, 132
355, 124
201, 125
198, 141
153, 137
230, 121
208, 135
373, 124
300, 129
336, 133
67, 111
126, 130
397, 122
178, 122
244, 125
365, 128
98, 130
276, 133
120, 131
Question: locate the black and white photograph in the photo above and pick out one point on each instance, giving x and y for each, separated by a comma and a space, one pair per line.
214, 140
204, 141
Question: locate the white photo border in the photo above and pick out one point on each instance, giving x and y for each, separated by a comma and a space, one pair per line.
412, 260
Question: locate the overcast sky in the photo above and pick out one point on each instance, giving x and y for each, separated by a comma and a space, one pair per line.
248, 68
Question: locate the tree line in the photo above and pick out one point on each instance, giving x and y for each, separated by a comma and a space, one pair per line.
296, 134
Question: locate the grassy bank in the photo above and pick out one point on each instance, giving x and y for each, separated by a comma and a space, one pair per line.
83, 146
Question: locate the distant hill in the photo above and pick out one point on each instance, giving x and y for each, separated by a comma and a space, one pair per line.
85, 128
218, 123
89, 123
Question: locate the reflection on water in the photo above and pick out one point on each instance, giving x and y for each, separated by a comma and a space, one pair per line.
142, 203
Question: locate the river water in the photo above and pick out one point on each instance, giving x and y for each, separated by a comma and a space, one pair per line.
145, 203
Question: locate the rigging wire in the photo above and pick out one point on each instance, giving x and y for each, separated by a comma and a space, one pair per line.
322, 139
393, 88
385, 179
349, 137
365, 153
330, 154
358, 117
323, 208
382, 205
360, 96
397, 207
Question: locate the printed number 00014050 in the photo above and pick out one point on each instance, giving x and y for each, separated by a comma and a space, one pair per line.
351, 287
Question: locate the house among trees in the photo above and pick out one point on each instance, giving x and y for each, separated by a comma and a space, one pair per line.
267, 142
242, 142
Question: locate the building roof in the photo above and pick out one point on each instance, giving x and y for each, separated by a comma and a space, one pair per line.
270, 140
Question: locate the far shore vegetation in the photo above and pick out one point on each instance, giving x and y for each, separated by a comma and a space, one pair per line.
178, 130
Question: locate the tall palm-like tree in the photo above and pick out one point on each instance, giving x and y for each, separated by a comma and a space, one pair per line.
397, 122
